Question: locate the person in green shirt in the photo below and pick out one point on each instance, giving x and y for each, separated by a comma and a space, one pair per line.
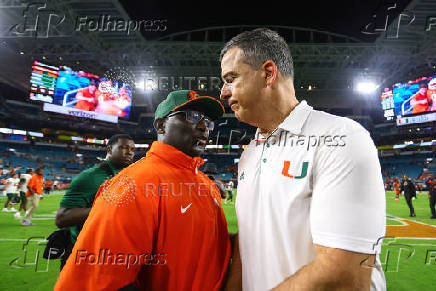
79, 197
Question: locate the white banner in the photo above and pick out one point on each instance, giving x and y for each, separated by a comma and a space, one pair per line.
80, 113
416, 119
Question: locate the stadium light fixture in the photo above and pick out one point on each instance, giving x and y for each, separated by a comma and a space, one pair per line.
150, 85
140, 85
366, 87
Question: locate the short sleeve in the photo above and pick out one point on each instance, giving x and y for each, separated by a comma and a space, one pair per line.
348, 204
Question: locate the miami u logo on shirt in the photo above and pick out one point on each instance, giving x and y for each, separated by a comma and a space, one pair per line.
303, 172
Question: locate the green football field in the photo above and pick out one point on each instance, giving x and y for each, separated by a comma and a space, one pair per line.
409, 263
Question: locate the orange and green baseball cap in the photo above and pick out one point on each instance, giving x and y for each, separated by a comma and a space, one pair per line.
189, 99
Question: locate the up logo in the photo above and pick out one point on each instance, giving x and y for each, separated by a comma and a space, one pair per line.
303, 172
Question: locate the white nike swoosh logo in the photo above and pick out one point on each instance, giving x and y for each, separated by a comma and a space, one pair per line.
183, 210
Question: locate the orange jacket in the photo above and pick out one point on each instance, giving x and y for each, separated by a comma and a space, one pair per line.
36, 183
158, 224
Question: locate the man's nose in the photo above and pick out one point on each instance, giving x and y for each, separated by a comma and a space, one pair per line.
226, 93
203, 127
131, 152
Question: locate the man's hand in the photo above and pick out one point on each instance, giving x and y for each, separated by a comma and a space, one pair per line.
333, 269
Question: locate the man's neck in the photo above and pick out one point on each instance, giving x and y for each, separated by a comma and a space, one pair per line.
118, 167
277, 119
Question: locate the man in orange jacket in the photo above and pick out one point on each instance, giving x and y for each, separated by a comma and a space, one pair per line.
158, 224
33, 194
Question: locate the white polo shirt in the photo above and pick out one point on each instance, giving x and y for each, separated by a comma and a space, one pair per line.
315, 180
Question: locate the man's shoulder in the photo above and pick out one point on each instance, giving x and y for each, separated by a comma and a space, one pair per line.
147, 168
323, 122
85, 175
95, 170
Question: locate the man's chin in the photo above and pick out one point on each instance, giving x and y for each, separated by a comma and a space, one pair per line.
125, 164
197, 151
241, 117
238, 115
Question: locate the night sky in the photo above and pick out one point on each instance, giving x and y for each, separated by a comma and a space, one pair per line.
346, 17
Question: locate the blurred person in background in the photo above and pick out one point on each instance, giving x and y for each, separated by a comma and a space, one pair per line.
11, 187
48, 186
409, 190
431, 187
229, 188
79, 197
24, 180
210, 170
397, 187
34, 194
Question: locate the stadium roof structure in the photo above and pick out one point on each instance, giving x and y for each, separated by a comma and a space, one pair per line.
414, 30
324, 60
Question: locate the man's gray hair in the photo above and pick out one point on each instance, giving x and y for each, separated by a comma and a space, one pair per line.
260, 45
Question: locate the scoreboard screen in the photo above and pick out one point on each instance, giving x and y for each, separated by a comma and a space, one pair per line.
79, 93
43, 82
410, 102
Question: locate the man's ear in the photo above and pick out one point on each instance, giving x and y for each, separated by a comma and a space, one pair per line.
271, 72
109, 149
159, 125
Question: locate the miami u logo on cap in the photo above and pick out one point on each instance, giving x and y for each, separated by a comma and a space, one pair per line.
287, 165
192, 95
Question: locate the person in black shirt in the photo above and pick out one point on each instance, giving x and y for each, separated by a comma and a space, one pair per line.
431, 187
409, 190
210, 170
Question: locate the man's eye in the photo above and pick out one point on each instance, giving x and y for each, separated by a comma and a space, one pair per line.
229, 80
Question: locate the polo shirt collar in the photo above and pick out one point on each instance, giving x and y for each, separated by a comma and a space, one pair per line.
296, 119
174, 156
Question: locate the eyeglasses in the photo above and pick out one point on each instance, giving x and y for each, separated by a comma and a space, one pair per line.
195, 117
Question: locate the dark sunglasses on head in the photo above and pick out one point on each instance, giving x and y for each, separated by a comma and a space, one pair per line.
195, 117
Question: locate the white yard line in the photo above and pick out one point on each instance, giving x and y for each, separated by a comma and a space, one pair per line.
399, 220
21, 239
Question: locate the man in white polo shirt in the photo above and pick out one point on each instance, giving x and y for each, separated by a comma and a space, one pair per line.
311, 202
